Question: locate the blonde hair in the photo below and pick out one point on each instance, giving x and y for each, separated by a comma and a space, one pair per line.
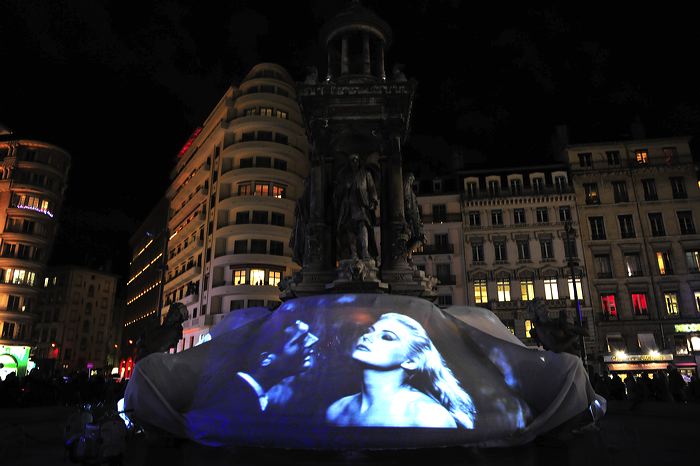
432, 376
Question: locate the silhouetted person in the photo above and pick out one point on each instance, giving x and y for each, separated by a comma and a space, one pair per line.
676, 385
617, 388
663, 392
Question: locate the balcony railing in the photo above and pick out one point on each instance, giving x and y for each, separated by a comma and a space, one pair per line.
441, 218
437, 249
485, 194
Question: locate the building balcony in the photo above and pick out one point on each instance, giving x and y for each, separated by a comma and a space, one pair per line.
191, 247
524, 192
437, 249
190, 273
441, 218
189, 299
190, 226
206, 320
199, 177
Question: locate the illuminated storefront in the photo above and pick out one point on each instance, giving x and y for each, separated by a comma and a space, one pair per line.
686, 339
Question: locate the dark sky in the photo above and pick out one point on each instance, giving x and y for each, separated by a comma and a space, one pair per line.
121, 84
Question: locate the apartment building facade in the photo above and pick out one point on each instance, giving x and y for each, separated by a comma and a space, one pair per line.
639, 202
231, 202
75, 328
517, 246
33, 178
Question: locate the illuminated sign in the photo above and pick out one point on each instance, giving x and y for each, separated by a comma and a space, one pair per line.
687, 328
189, 142
18, 356
637, 357
654, 366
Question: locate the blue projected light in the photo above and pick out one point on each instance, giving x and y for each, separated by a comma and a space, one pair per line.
317, 373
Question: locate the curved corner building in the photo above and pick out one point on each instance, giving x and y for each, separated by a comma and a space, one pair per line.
32, 182
232, 202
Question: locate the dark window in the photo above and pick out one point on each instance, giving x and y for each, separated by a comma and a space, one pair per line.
472, 189
538, 184
564, 213
633, 265
626, 226
496, 217
613, 157
656, 221
260, 217
242, 218
516, 186
240, 246
439, 212
249, 136
678, 187
597, 227
523, 249
258, 246
264, 135
445, 300
649, 186
499, 249
247, 162
280, 164
276, 248
620, 191
264, 162
670, 155
584, 159
570, 248
685, 220
542, 215
546, 249
281, 138
519, 216
236, 304
603, 267
277, 219
560, 183
441, 240
474, 218
478, 252
267, 88
494, 187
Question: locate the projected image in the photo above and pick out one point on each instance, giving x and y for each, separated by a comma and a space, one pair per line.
406, 382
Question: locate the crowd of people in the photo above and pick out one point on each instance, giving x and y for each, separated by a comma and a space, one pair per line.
38, 389
661, 385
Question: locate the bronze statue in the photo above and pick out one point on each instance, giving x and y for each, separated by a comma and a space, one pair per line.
355, 200
554, 335
414, 225
165, 337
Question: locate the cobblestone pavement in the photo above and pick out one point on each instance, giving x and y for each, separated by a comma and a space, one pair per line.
648, 434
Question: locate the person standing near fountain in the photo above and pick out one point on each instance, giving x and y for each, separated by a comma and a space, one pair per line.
406, 382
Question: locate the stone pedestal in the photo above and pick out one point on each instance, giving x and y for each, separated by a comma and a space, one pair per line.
357, 276
410, 281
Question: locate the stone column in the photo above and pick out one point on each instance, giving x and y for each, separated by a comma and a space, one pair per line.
394, 234
344, 55
366, 61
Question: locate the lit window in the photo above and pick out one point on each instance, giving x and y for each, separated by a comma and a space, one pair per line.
663, 259
262, 189
257, 277
591, 191
671, 300
528, 328
527, 290
244, 189
480, 292
503, 286
551, 291
274, 278
641, 156
609, 307
239, 277
639, 304
579, 289
278, 191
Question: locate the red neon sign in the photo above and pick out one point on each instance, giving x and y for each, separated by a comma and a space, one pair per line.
189, 141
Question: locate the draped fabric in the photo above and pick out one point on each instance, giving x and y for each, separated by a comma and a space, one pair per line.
509, 393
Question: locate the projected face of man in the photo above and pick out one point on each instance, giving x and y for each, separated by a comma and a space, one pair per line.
385, 345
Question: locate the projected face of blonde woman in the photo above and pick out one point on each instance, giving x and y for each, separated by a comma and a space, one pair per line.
384, 345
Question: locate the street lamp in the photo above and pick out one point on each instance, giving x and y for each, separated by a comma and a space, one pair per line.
570, 233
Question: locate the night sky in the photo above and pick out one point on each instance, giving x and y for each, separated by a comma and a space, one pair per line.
121, 85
